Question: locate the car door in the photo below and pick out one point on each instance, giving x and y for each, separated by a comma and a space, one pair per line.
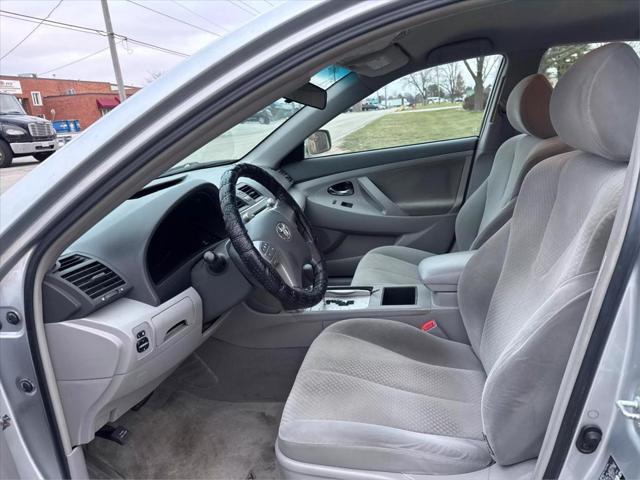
397, 173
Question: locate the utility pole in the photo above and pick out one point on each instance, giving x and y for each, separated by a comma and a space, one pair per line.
114, 53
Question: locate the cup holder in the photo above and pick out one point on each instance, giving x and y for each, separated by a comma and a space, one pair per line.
399, 296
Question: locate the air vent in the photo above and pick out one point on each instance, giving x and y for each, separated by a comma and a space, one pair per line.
240, 203
66, 263
94, 279
250, 191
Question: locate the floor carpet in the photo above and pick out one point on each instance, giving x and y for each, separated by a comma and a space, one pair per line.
178, 434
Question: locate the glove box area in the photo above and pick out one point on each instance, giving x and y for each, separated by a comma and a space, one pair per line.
109, 361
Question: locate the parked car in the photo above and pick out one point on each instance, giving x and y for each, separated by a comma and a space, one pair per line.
23, 135
264, 117
370, 106
282, 109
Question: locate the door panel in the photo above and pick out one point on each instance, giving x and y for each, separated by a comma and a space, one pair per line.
411, 201
318, 167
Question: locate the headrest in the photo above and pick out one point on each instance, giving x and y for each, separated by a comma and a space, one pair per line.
528, 106
595, 104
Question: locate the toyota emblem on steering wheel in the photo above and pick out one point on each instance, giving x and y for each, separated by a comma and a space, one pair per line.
282, 229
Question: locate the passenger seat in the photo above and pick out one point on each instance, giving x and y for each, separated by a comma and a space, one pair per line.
491, 205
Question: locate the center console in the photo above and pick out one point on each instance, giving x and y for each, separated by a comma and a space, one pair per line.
433, 300
436, 299
410, 297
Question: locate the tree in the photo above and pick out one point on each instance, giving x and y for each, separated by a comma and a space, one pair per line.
482, 70
459, 87
419, 81
434, 90
453, 85
557, 60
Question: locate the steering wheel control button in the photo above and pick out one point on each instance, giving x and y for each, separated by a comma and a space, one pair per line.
264, 248
270, 253
141, 334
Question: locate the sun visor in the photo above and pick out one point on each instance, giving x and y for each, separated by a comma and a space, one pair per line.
452, 52
380, 62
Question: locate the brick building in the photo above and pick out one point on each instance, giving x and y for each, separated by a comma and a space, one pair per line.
71, 99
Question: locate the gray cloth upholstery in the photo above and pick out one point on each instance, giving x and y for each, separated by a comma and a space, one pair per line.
371, 394
595, 105
491, 205
523, 294
378, 395
390, 264
513, 160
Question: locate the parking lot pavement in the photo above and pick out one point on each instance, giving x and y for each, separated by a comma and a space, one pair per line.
349, 122
18, 169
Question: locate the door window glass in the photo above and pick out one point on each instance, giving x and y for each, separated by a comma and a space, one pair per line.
439, 103
557, 60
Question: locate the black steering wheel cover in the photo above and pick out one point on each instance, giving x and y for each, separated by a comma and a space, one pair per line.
290, 297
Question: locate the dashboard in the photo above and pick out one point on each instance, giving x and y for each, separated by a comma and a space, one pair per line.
193, 225
132, 298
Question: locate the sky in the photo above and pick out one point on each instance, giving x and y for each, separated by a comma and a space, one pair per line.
49, 48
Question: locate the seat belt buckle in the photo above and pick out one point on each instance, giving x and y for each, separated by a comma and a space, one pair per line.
428, 325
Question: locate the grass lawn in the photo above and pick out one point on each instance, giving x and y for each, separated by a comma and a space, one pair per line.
409, 128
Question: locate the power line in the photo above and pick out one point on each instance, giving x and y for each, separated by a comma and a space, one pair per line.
75, 61
244, 2
32, 31
201, 16
157, 12
242, 7
94, 31
51, 23
86, 57
152, 46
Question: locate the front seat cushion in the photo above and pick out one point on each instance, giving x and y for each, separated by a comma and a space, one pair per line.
382, 395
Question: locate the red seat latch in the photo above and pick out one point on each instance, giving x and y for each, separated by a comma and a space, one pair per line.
428, 325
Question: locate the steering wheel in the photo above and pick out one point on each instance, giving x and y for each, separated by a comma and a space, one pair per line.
277, 243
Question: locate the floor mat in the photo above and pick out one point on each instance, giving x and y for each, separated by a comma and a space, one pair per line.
181, 435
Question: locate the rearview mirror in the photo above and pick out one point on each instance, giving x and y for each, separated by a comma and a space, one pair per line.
318, 142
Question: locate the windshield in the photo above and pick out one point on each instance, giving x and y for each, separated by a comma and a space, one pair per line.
10, 105
239, 140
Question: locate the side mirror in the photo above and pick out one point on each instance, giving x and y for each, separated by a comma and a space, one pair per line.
318, 142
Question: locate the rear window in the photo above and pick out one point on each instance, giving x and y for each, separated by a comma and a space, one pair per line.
557, 60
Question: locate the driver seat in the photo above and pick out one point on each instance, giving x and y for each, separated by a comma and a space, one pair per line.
385, 399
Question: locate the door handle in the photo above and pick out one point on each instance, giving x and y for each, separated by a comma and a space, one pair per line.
341, 189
